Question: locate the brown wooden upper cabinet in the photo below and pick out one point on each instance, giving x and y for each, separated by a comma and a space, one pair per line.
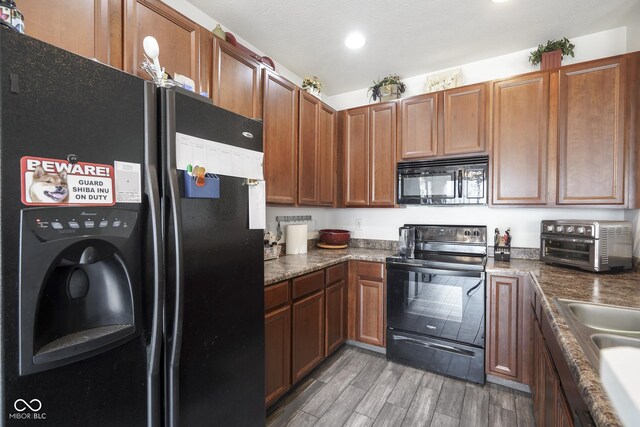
179, 38
236, 82
591, 143
369, 155
280, 136
81, 27
317, 151
418, 137
520, 120
446, 123
465, 120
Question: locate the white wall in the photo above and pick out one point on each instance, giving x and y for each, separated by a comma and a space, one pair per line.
201, 18
633, 29
634, 217
592, 46
383, 223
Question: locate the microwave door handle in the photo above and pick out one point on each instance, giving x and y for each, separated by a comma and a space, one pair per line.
460, 183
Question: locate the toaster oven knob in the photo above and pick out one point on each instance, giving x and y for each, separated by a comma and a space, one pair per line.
581, 230
549, 228
570, 229
559, 228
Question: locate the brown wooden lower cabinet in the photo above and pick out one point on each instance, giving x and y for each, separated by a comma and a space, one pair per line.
336, 316
307, 334
549, 401
306, 320
508, 328
277, 336
370, 300
552, 387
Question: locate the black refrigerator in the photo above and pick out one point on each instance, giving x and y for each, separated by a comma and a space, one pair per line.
123, 300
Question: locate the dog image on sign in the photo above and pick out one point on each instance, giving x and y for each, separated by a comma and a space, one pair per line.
57, 182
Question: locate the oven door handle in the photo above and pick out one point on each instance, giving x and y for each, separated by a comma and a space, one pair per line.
470, 291
399, 266
443, 347
567, 239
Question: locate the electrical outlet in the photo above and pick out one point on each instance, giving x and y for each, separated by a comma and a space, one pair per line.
358, 224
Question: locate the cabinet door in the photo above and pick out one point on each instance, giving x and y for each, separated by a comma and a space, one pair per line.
236, 80
382, 154
370, 312
502, 331
277, 337
418, 127
550, 386
80, 26
179, 38
520, 120
308, 334
356, 157
327, 146
465, 120
591, 149
336, 316
280, 138
564, 417
308, 146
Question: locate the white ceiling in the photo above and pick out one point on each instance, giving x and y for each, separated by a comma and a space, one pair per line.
406, 37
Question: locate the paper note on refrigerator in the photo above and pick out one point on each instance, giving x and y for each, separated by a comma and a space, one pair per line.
257, 206
218, 158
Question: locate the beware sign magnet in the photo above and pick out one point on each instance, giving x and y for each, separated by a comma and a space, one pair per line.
58, 182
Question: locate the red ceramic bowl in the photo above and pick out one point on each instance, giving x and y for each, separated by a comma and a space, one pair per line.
334, 237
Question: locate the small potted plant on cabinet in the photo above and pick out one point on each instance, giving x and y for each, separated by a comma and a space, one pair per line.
388, 88
312, 85
550, 55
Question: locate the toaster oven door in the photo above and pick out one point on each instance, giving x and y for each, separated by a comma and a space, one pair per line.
566, 250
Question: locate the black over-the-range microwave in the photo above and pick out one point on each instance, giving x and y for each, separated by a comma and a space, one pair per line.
460, 181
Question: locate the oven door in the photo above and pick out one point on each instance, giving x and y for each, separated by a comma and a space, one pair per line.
428, 186
443, 304
568, 251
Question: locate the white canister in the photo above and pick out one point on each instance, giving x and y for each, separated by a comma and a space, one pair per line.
296, 239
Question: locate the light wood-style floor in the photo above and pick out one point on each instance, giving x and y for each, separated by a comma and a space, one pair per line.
355, 387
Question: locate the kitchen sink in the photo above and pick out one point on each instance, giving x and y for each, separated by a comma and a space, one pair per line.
598, 326
603, 341
606, 318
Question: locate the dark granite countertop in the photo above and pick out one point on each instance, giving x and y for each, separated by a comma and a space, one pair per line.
289, 266
622, 289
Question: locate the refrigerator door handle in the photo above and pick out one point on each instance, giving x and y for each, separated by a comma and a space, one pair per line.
175, 338
154, 402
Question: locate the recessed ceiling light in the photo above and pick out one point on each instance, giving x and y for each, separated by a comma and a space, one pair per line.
355, 41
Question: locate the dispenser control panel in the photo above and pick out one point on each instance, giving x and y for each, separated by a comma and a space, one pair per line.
62, 222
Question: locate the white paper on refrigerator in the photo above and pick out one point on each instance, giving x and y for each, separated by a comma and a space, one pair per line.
257, 206
217, 157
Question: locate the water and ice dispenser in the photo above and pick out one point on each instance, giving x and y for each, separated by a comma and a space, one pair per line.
79, 284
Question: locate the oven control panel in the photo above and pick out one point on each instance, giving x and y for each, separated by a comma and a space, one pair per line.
566, 228
450, 233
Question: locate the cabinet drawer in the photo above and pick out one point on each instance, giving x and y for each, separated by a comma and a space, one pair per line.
276, 295
336, 273
371, 269
309, 283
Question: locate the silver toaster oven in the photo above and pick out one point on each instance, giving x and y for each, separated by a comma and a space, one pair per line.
589, 245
